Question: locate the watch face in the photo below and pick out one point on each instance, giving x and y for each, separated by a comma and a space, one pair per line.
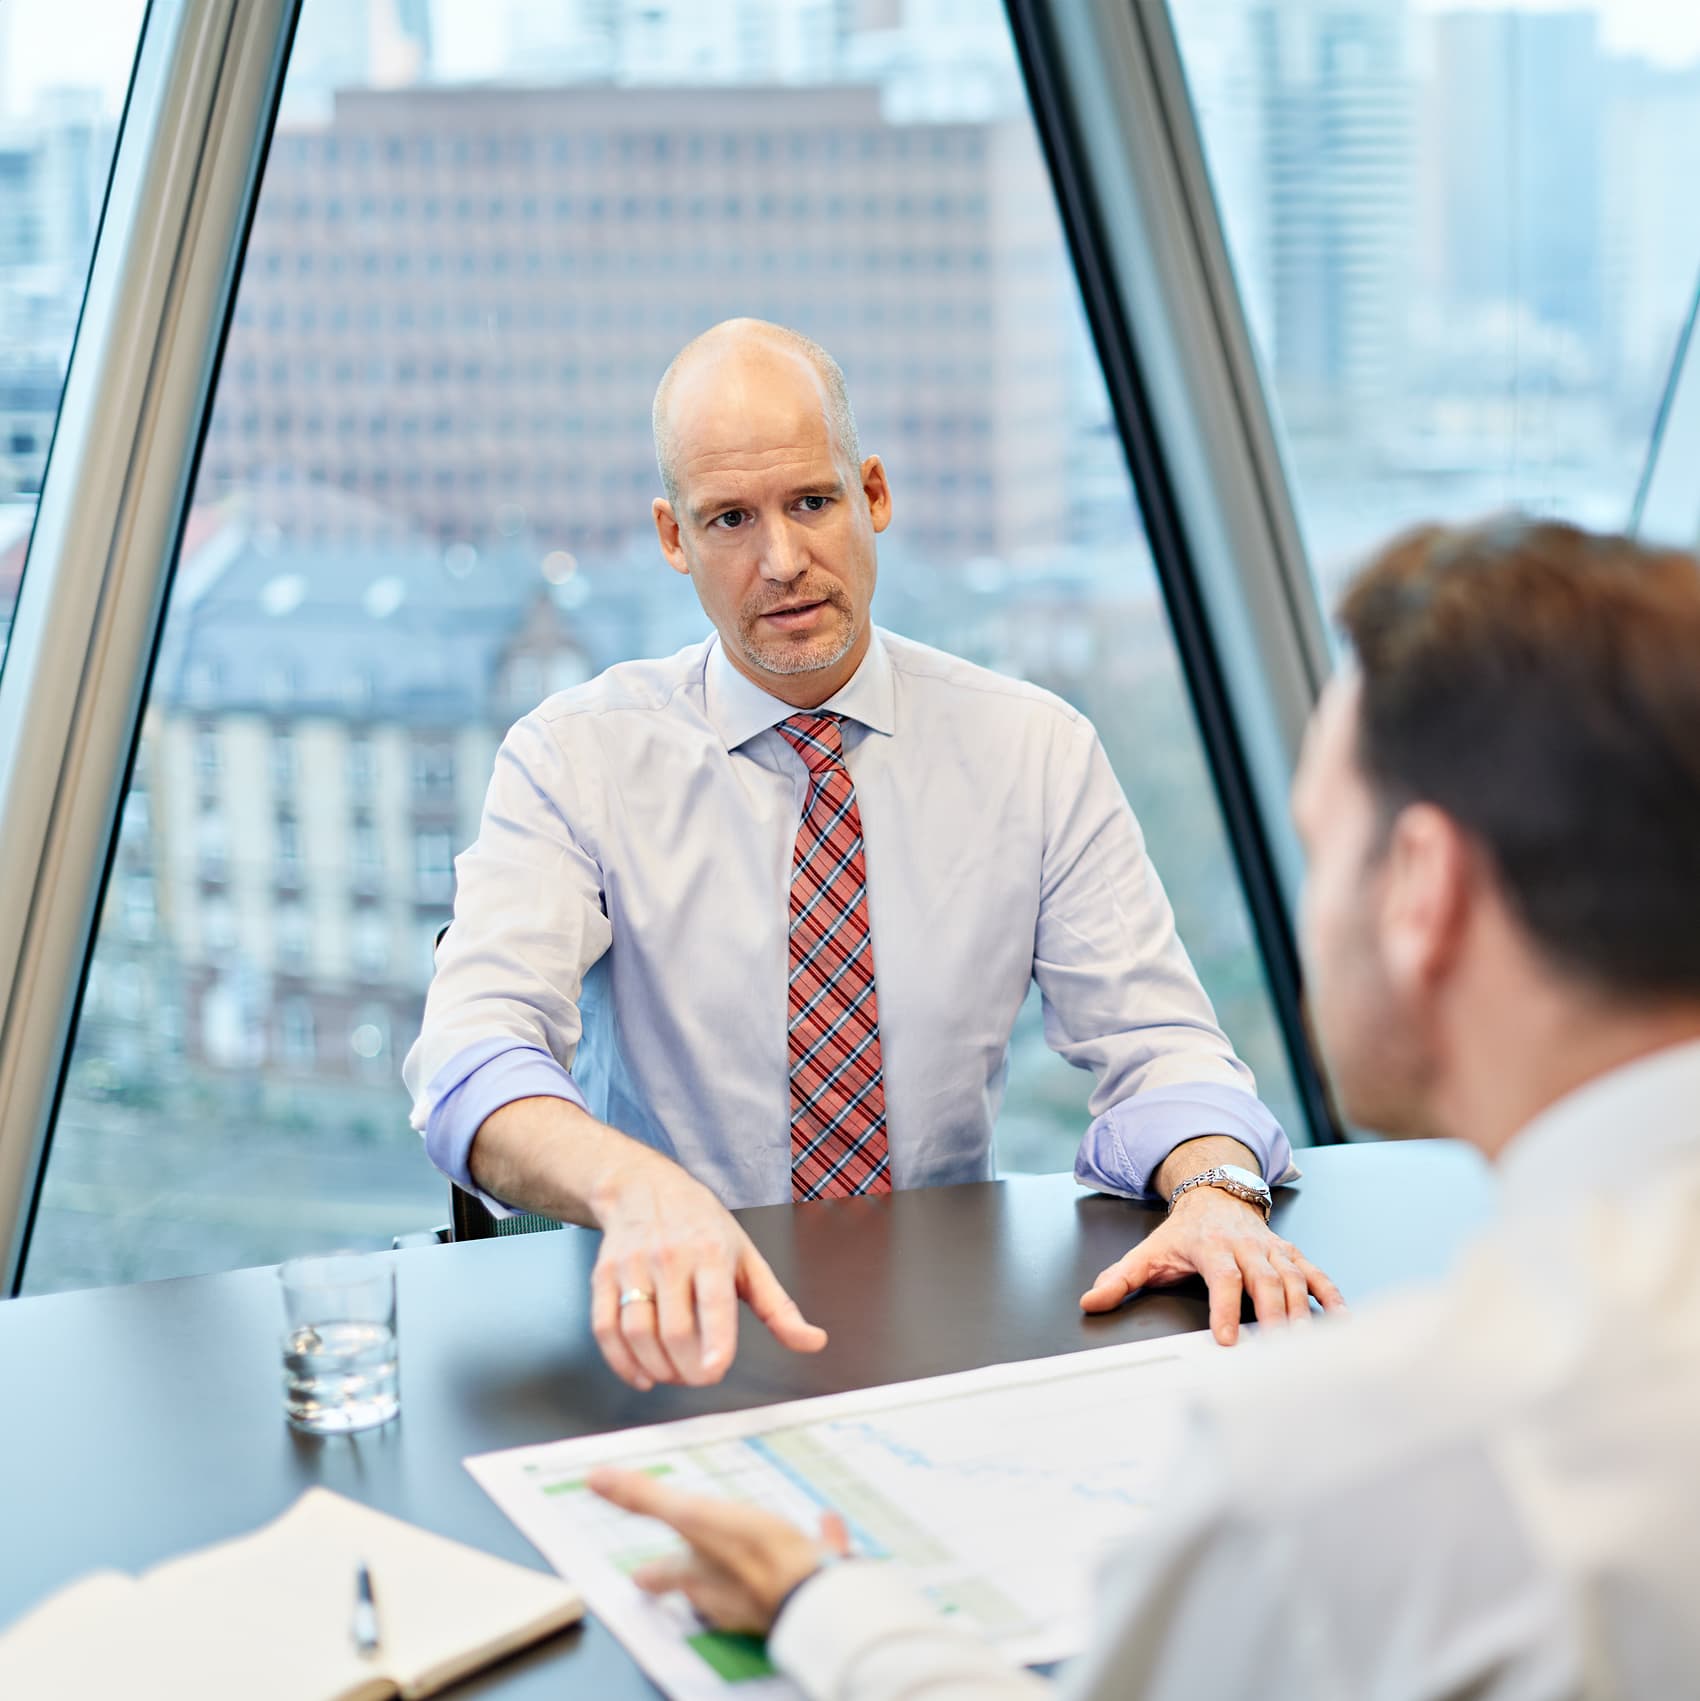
1245, 1178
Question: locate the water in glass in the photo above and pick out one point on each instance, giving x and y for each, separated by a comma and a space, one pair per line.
340, 1377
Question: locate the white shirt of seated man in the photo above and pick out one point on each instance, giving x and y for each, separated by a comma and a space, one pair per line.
1486, 1488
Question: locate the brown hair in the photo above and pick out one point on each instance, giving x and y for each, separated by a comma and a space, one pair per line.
1542, 686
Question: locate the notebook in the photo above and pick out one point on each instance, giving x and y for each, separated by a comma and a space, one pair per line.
270, 1616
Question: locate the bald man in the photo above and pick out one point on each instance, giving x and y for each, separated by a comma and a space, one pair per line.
753, 923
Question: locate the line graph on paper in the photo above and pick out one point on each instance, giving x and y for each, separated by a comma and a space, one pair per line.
996, 1491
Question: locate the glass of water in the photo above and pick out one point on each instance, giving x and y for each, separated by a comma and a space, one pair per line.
339, 1342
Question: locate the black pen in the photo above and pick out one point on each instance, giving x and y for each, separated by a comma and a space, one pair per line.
365, 1626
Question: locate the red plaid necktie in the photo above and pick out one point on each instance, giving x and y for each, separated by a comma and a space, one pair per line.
838, 1144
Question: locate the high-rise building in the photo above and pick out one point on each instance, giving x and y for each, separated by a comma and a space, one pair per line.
1337, 112
1226, 93
1651, 262
345, 44
457, 304
53, 170
1515, 121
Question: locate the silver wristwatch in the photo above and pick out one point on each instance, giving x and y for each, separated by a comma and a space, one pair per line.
1242, 1183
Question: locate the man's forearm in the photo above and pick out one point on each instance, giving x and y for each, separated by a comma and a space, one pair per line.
1192, 1157
550, 1156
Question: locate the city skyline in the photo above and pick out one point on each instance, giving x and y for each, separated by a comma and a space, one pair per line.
91, 43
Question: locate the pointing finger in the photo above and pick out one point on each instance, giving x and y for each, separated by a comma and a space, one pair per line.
634, 1491
774, 1306
663, 1576
707, 1524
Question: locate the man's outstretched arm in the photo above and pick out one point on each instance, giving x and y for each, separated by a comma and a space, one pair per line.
1172, 1099
501, 1113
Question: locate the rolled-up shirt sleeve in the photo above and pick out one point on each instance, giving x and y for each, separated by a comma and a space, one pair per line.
475, 1084
1121, 996
502, 1016
1125, 1147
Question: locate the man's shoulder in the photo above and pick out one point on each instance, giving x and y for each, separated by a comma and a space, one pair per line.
925, 669
648, 685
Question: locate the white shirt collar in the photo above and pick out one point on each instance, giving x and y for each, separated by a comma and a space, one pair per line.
738, 708
1607, 1132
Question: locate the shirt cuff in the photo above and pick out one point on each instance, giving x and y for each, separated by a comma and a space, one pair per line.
474, 1084
839, 1617
1125, 1147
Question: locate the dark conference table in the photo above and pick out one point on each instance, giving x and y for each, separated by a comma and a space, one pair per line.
142, 1421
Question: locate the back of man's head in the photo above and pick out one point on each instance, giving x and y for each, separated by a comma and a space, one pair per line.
1541, 685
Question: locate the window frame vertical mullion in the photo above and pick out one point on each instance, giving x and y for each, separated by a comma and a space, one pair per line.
185, 178
1109, 99
1666, 505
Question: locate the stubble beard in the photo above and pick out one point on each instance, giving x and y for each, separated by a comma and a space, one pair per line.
787, 656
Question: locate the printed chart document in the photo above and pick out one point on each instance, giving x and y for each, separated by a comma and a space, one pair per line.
998, 1490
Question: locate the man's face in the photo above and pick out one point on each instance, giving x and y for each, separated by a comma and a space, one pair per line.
1371, 1029
774, 527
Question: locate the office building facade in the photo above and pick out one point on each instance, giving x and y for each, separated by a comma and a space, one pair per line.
458, 302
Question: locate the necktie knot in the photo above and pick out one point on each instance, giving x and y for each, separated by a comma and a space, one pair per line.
818, 739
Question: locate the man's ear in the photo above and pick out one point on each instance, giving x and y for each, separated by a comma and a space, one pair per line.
1428, 881
876, 488
667, 531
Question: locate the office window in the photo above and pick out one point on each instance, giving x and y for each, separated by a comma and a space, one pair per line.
64, 69
212, 848
291, 936
287, 849
1466, 243
498, 564
370, 935
283, 763
139, 910
367, 871
360, 768
433, 771
297, 1043
218, 925
433, 867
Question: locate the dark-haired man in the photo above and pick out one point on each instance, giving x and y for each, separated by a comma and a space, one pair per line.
1488, 1490
753, 922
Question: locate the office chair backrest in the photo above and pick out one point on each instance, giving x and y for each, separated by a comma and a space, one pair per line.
469, 1219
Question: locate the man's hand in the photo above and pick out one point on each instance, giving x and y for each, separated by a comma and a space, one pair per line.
742, 1562
664, 1235
1225, 1240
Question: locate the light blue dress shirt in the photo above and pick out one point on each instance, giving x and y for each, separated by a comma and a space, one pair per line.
620, 933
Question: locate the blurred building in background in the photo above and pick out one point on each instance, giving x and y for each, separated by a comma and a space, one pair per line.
458, 303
